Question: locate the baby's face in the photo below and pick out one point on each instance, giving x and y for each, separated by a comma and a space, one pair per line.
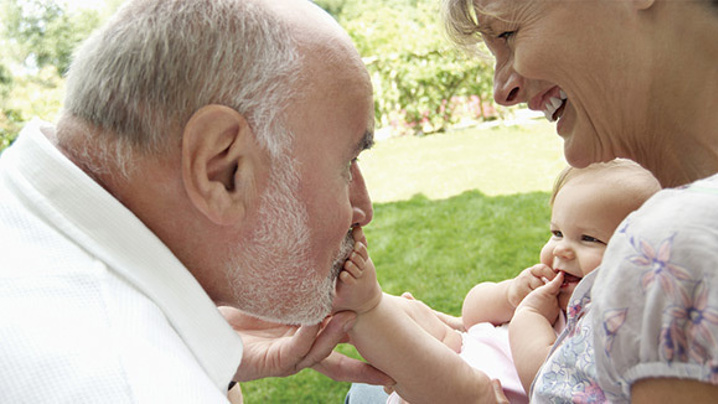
583, 219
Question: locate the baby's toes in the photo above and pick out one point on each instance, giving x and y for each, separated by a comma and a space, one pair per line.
347, 278
353, 269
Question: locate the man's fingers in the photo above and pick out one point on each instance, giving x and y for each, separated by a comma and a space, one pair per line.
327, 339
297, 348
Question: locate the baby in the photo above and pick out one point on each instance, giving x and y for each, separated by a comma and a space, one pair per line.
510, 330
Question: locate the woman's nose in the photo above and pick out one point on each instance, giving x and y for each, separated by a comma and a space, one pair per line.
508, 87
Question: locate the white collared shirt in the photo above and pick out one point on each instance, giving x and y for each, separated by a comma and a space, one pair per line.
93, 306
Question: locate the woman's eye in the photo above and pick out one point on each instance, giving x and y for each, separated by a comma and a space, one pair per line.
506, 35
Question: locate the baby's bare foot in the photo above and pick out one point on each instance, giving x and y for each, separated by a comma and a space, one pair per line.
357, 288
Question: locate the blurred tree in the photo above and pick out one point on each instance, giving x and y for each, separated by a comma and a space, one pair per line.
422, 83
9, 118
38, 38
43, 32
420, 79
333, 7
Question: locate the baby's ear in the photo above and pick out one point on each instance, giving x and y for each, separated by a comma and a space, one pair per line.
220, 162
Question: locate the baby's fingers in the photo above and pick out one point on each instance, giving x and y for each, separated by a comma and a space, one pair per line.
543, 271
553, 286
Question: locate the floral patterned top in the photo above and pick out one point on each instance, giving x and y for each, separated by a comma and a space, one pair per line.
655, 300
569, 373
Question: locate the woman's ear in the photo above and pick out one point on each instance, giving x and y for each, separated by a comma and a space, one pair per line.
219, 163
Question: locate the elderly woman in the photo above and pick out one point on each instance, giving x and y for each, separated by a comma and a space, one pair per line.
635, 79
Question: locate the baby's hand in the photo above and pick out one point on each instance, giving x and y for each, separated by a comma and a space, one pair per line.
544, 299
528, 280
357, 287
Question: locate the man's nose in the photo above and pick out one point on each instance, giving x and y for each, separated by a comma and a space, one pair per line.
362, 210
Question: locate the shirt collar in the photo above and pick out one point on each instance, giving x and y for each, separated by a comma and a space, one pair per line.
81, 209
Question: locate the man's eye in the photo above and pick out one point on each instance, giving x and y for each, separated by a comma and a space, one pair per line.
349, 167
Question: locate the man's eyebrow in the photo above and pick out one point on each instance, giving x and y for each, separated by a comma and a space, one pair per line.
366, 142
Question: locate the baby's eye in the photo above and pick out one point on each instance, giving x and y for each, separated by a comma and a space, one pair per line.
557, 233
591, 239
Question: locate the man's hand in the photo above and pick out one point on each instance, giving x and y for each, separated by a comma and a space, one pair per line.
278, 350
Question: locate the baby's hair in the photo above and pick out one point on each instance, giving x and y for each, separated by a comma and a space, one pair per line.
561, 180
636, 179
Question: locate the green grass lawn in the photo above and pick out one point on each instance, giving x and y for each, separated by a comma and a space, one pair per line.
451, 210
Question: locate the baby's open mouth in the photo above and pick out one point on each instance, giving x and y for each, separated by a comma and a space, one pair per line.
569, 279
555, 106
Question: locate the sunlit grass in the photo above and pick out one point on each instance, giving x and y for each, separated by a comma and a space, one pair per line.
497, 161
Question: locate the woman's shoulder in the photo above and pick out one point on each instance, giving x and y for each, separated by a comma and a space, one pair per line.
686, 206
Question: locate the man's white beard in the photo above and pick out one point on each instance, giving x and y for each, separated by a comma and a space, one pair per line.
272, 275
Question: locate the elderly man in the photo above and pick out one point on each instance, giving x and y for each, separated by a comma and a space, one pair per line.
206, 157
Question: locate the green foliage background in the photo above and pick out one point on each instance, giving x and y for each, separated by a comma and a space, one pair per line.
418, 75
38, 38
422, 83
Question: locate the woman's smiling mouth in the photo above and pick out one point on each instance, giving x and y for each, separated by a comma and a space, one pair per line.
553, 109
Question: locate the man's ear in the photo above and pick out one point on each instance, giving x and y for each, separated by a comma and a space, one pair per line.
219, 158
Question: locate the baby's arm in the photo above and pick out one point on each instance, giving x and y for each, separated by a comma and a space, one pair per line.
496, 302
390, 334
531, 333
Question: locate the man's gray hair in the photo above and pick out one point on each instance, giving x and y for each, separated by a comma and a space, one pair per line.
156, 62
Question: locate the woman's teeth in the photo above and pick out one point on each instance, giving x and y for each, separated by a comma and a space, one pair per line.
553, 105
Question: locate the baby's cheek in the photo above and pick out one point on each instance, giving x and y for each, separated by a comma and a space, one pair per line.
591, 263
547, 254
